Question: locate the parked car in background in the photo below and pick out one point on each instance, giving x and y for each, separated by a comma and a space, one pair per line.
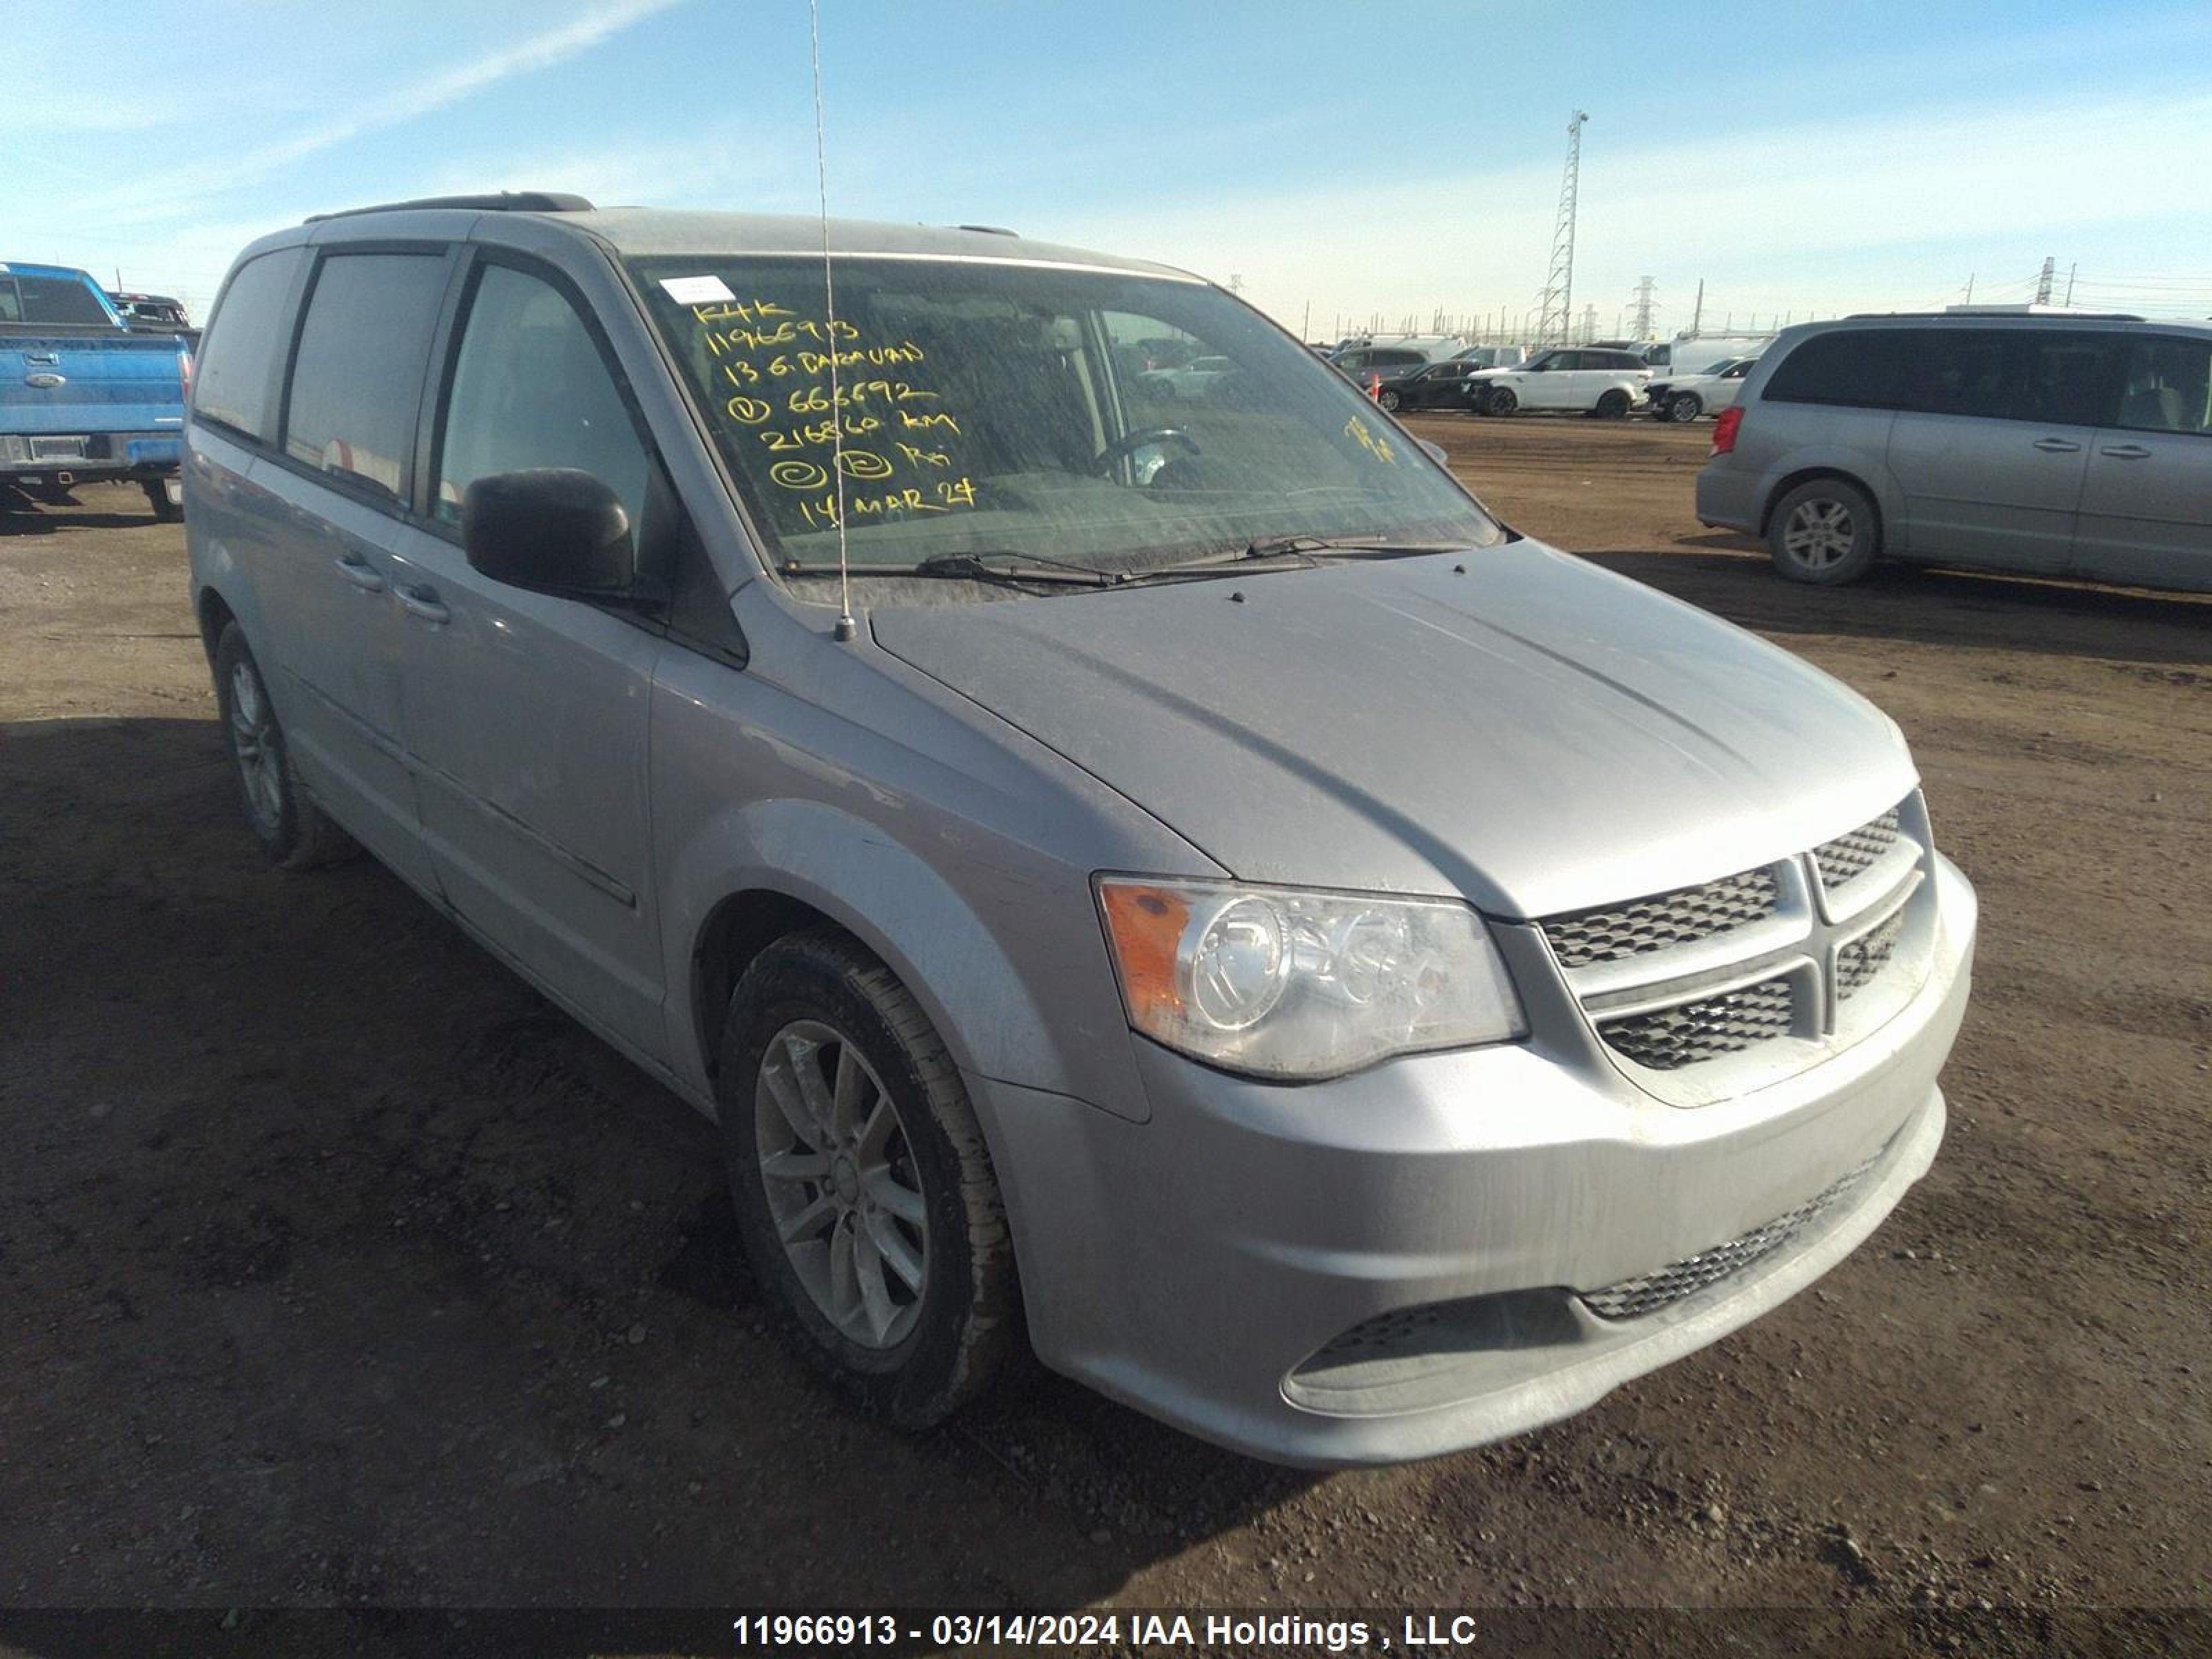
1695, 354
1364, 1020
1492, 356
83, 398
2067, 445
1432, 385
155, 312
1585, 379
1200, 377
1685, 398
1360, 364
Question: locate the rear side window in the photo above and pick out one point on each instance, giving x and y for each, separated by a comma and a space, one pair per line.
231, 378
1863, 367
358, 374
531, 389
2168, 386
62, 300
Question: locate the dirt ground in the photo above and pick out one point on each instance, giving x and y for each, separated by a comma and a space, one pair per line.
336, 1268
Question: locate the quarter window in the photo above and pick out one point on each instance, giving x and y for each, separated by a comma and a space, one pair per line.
358, 375
230, 381
531, 389
2168, 386
1863, 367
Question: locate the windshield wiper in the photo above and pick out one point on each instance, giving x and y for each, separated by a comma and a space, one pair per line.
1015, 567
1309, 548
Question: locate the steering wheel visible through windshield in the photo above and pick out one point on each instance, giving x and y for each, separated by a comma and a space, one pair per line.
1124, 423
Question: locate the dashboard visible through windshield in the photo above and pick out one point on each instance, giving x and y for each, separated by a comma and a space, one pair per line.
1124, 423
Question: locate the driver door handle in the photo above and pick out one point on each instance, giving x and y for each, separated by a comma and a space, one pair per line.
361, 574
2126, 451
2057, 447
422, 601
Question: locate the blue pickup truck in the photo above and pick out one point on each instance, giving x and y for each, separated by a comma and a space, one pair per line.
83, 399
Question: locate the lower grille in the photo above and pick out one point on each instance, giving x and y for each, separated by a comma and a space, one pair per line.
1668, 1038
1632, 1298
1382, 1333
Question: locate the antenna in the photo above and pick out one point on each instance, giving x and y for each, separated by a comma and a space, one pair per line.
847, 628
1558, 311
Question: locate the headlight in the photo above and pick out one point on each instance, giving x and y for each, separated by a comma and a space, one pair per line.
1290, 983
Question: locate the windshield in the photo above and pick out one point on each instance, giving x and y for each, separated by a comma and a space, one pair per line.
1119, 421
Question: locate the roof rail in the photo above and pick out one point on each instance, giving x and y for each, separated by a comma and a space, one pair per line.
1955, 316
505, 201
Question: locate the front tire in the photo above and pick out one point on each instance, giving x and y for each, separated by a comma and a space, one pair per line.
864, 1193
293, 831
1685, 406
1502, 401
1387, 401
1825, 533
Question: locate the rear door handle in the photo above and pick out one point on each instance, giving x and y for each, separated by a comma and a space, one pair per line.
2126, 451
2057, 447
361, 574
422, 601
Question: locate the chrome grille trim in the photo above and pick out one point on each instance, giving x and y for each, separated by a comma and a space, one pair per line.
1614, 932
1633, 1298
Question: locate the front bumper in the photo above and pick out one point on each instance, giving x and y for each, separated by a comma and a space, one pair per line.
1207, 1266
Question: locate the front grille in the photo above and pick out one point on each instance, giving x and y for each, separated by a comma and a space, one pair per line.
1859, 963
1666, 1039
1666, 919
1632, 1298
1855, 853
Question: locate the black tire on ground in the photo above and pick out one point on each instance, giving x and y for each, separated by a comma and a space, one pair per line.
1826, 532
1502, 401
1685, 406
1611, 405
295, 832
157, 498
1388, 400
968, 1326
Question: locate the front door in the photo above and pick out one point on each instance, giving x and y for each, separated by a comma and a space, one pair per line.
528, 714
2147, 503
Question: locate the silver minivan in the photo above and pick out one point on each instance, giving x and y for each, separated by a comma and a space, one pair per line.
2065, 445
1172, 885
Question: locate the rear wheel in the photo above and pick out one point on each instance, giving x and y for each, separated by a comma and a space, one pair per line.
1825, 533
1502, 400
864, 1193
292, 830
1685, 406
1613, 404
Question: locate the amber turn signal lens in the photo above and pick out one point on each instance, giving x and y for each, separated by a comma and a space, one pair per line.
1145, 925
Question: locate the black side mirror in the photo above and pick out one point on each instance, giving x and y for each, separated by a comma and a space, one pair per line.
551, 529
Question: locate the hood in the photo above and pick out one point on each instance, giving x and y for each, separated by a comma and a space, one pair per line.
1537, 734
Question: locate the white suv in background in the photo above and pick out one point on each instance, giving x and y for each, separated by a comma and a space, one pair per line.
1589, 379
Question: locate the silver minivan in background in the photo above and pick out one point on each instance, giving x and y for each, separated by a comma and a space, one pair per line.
1172, 884
2060, 445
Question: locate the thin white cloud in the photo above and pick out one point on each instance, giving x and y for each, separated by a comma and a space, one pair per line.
191, 183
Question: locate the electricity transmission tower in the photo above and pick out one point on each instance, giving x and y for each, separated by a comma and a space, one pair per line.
1643, 308
1558, 315
2043, 281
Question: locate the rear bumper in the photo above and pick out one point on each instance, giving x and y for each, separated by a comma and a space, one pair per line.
1728, 497
88, 457
1399, 1264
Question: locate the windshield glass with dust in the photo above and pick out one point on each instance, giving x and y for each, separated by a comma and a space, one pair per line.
1125, 421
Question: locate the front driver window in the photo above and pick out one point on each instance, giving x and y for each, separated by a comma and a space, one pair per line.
531, 389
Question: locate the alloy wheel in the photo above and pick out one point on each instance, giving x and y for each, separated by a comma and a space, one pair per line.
1820, 533
253, 741
842, 1183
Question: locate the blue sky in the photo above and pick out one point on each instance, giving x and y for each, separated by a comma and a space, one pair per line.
1357, 159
